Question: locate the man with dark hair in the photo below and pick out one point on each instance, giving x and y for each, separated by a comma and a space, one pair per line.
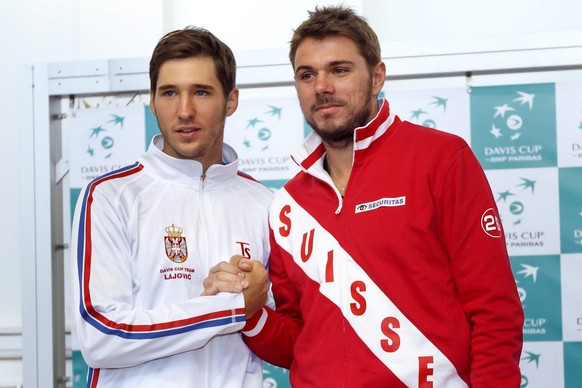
388, 261
145, 236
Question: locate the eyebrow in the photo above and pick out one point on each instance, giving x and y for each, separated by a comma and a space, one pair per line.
330, 64
194, 86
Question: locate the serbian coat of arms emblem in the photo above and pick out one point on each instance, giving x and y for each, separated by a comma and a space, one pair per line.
175, 244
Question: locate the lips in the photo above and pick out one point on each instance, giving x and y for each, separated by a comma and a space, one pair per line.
186, 130
323, 107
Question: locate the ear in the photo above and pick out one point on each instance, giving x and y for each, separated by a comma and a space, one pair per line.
152, 105
232, 102
378, 77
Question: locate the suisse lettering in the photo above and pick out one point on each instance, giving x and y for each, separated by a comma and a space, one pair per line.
359, 307
307, 245
329, 267
285, 220
424, 371
393, 342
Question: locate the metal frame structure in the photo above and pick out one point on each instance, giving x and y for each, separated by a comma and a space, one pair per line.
43, 165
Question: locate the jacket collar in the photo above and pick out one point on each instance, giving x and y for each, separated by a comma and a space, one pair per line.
186, 171
309, 156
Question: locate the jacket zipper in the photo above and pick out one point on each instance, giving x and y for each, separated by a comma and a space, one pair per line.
209, 350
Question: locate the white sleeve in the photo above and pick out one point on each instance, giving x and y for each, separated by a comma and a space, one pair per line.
112, 332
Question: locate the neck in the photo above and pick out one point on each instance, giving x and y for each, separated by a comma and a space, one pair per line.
338, 163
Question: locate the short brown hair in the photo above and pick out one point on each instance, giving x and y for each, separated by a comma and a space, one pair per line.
194, 42
338, 20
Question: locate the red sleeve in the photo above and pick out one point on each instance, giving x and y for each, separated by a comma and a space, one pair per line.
481, 272
272, 334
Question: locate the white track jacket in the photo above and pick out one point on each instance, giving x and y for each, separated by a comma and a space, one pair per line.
144, 238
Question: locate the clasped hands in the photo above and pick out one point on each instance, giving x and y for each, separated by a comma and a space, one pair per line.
240, 275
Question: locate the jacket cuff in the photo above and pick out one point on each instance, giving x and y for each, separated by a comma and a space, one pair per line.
255, 323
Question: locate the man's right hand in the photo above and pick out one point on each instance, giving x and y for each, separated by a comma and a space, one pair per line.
256, 292
226, 277
241, 274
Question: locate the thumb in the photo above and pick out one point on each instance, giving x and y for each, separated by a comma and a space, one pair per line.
241, 263
234, 260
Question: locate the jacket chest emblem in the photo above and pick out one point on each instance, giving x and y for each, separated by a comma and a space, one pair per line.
175, 244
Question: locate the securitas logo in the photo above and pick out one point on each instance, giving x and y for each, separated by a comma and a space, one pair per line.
379, 203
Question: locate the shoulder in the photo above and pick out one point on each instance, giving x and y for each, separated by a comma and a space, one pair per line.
117, 176
115, 185
254, 187
427, 134
409, 137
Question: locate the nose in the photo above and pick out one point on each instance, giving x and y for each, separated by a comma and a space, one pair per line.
186, 108
323, 84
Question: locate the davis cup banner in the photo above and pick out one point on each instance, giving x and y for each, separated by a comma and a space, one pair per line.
527, 137
529, 140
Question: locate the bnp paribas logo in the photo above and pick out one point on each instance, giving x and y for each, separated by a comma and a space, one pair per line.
514, 203
508, 124
570, 209
538, 284
101, 138
514, 126
528, 360
507, 120
526, 278
425, 115
259, 130
527, 271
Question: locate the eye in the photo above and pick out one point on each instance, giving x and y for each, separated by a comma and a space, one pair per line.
340, 70
306, 76
168, 93
201, 93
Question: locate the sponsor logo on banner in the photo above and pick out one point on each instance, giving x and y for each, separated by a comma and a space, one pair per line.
103, 140
571, 269
423, 117
539, 362
571, 209
527, 211
514, 126
264, 133
443, 109
576, 148
569, 121
512, 204
529, 358
538, 284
